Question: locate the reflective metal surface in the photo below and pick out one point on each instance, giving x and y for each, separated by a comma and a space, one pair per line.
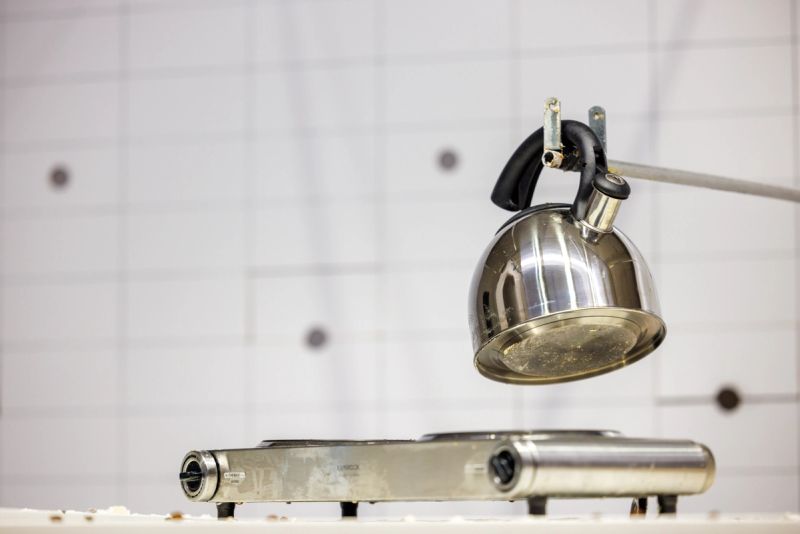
553, 300
284, 443
597, 122
204, 485
555, 463
518, 434
602, 209
553, 155
619, 466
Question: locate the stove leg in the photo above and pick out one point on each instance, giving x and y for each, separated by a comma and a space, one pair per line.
537, 505
225, 510
349, 509
667, 504
639, 506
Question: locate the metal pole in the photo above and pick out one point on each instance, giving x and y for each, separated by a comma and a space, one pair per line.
709, 181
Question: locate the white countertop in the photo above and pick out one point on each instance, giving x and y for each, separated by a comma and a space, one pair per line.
119, 520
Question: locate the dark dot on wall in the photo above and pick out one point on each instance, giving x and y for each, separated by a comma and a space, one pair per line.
728, 399
316, 337
59, 177
448, 159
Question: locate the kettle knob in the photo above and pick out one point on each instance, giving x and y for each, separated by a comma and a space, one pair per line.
608, 192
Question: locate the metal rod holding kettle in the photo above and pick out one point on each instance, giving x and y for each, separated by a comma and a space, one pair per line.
553, 157
708, 181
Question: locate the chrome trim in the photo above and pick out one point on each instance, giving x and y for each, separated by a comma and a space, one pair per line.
618, 466
601, 211
210, 479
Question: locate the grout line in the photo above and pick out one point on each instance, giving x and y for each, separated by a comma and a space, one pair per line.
48, 14
234, 68
734, 326
721, 43
466, 197
587, 403
122, 251
60, 345
655, 213
251, 166
250, 230
380, 147
345, 338
132, 7
3, 192
131, 276
658, 80
470, 194
356, 131
316, 221
365, 405
516, 125
708, 400
794, 11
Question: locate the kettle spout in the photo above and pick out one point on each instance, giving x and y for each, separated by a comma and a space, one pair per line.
607, 194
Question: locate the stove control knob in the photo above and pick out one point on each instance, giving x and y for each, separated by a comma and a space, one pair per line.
503, 466
198, 475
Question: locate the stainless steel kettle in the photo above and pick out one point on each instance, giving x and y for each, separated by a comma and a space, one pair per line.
560, 294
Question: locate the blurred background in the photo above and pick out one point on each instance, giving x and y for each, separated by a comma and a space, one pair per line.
228, 221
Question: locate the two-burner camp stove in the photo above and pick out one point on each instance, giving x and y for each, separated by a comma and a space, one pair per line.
474, 466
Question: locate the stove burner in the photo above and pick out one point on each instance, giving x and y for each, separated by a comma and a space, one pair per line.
507, 465
290, 443
527, 434
442, 436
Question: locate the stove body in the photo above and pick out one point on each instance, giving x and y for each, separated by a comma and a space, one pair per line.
500, 466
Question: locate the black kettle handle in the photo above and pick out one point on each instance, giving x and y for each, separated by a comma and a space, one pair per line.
583, 152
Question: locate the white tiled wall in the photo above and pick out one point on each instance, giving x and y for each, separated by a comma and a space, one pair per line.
241, 172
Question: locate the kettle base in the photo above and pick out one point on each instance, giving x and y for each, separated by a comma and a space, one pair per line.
570, 346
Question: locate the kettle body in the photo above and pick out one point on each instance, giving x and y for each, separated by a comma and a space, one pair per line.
553, 300
560, 294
